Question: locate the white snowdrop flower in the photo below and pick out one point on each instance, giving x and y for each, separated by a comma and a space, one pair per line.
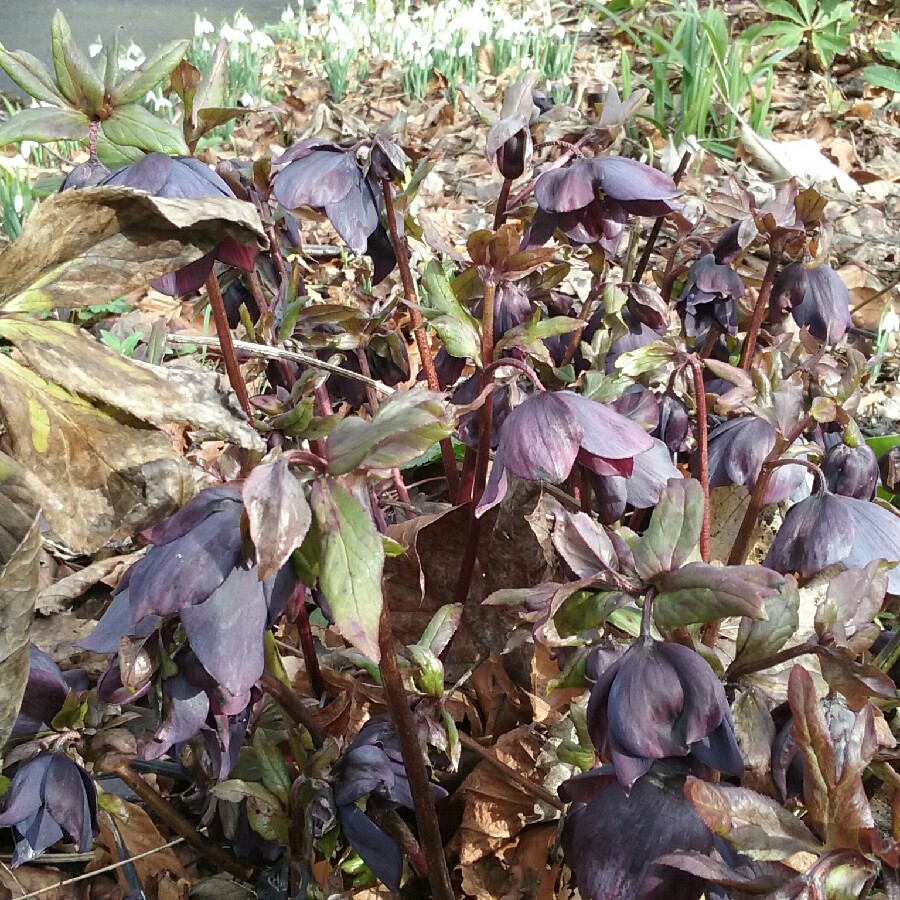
268, 70
159, 102
526, 62
557, 32
232, 35
242, 23
206, 46
322, 9
18, 204
890, 321
287, 16
465, 50
247, 100
95, 48
259, 40
27, 148
586, 26
203, 26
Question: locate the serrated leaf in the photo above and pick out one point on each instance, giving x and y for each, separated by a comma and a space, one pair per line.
77, 80
135, 126
29, 73
699, 592
82, 248
758, 639
887, 77
405, 426
70, 357
278, 512
351, 565
135, 85
276, 776
102, 475
455, 326
20, 548
645, 359
674, 531
45, 123
530, 335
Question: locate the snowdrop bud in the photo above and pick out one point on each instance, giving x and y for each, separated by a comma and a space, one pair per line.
203, 26
287, 15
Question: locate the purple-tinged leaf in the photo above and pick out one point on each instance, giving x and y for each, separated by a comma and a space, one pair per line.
854, 598
748, 879
278, 513
699, 592
857, 682
351, 565
581, 542
752, 823
226, 631
674, 531
379, 852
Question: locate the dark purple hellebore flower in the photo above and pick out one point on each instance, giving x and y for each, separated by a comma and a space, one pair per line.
49, 798
851, 471
194, 570
827, 528
327, 178
737, 450
372, 767
185, 177
710, 294
591, 199
543, 437
88, 174
817, 299
45, 693
661, 700
674, 424
611, 839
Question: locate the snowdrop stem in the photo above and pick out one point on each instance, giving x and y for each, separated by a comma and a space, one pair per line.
762, 302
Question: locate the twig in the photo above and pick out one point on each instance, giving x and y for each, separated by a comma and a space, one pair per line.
414, 760
538, 791
102, 871
174, 820
265, 352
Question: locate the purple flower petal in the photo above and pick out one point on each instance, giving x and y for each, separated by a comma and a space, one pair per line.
605, 433
876, 535
565, 190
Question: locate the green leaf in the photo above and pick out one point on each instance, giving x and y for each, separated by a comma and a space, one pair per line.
854, 598
645, 359
672, 537
456, 327
782, 8
83, 248
45, 123
76, 77
699, 592
530, 336
135, 126
890, 49
20, 550
135, 85
28, 73
351, 565
440, 630
758, 639
887, 77
276, 776
278, 512
405, 426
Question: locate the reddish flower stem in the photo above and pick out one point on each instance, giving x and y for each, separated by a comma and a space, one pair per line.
401, 251
485, 427
702, 450
748, 523
502, 201
414, 760
294, 707
307, 646
232, 369
762, 301
523, 367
